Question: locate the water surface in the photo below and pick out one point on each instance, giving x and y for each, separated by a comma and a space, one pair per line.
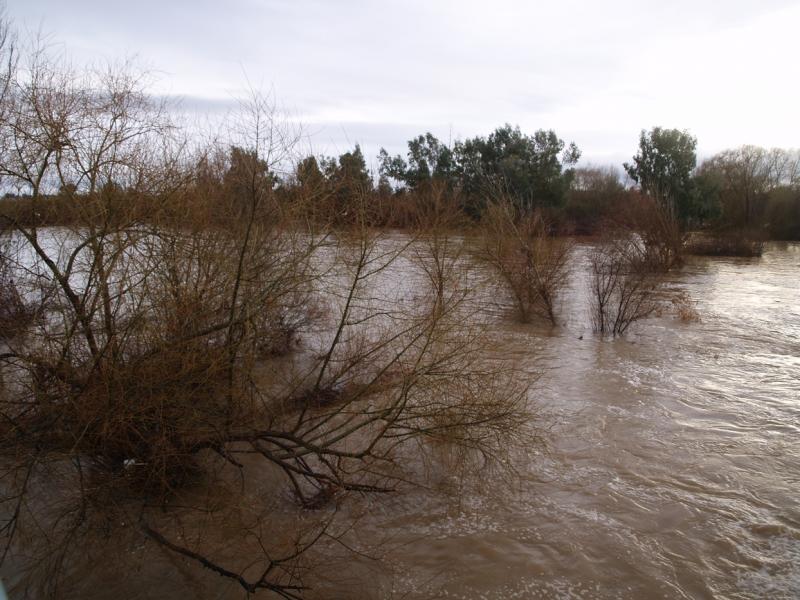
672, 467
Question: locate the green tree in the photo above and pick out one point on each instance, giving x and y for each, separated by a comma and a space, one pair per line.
427, 159
664, 168
349, 174
246, 176
309, 175
529, 168
347, 179
707, 206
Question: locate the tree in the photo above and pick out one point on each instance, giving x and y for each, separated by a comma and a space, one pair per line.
529, 168
247, 174
352, 172
744, 177
663, 168
532, 264
309, 175
427, 159
595, 194
348, 181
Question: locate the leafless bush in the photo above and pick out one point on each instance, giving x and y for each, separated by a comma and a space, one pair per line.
150, 384
623, 284
685, 308
15, 313
439, 250
532, 263
660, 233
729, 243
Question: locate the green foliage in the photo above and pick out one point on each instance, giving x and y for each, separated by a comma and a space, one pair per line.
309, 175
663, 168
706, 197
333, 184
427, 159
246, 174
528, 168
351, 173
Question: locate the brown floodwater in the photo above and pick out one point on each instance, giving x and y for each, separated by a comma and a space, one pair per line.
666, 464
671, 464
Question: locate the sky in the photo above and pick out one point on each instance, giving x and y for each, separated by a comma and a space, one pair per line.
380, 73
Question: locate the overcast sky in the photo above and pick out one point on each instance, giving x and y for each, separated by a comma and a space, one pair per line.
378, 73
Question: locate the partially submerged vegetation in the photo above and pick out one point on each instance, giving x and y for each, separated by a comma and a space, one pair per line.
726, 243
178, 319
623, 284
533, 264
150, 380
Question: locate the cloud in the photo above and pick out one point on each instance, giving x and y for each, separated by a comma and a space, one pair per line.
382, 72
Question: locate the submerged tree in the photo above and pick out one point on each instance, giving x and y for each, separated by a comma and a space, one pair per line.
623, 284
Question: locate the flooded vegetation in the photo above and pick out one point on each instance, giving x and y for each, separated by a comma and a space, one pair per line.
670, 467
228, 369
663, 461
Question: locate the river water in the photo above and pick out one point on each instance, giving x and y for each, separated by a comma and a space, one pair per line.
671, 464
667, 464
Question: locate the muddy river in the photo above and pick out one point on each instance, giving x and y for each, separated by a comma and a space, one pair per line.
667, 464
671, 466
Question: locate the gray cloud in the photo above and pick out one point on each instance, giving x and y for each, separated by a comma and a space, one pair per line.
378, 73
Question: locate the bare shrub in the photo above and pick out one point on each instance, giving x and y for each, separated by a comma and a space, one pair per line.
727, 243
623, 284
150, 387
15, 313
533, 264
660, 233
438, 250
684, 308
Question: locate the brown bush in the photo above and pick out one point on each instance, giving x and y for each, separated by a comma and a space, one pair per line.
726, 243
660, 238
150, 388
623, 284
532, 263
16, 315
685, 308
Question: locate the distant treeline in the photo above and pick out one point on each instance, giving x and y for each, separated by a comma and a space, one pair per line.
748, 189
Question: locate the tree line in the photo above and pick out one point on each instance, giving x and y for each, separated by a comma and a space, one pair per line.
746, 189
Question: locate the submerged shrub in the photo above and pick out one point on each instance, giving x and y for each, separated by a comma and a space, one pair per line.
685, 308
659, 234
146, 405
726, 243
533, 264
623, 285
16, 314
